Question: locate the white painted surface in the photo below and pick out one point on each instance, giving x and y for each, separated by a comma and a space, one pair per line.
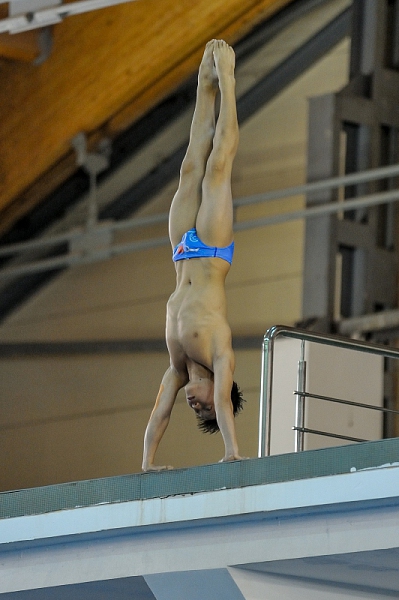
263, 524
357, 486
335, 372
349, 375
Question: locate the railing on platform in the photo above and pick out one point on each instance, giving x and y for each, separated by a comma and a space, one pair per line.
265, 414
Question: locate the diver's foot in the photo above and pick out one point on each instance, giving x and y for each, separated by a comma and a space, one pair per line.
207, 72
225, 59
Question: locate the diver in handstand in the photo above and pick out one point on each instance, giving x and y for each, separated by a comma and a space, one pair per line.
198, 336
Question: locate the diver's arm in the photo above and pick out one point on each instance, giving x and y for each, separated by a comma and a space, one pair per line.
171, 383
223, 382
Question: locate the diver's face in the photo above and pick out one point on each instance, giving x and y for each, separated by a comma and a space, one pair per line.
199, 396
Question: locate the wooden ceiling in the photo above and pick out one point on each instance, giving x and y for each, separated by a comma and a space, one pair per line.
106, 69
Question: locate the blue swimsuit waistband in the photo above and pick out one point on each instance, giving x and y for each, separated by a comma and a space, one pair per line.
192, 247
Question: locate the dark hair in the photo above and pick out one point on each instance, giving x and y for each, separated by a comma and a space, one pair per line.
237, 400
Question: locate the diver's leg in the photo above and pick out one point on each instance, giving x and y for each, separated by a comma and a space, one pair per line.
215, 216
186, 202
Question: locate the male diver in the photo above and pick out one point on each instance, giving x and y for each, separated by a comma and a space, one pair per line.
198, 336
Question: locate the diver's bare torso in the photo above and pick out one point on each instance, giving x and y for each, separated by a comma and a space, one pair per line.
196, 325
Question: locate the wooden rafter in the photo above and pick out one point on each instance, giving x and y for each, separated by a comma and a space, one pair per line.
106, 70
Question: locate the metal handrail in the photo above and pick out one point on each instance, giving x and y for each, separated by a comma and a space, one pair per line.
71, 258
307, 188
299, 418
299, 190
347, 402
327, 434
265, 408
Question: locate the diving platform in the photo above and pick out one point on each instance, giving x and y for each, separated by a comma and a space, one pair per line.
318, 522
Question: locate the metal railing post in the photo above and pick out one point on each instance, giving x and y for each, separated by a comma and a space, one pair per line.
300, 401
265, 405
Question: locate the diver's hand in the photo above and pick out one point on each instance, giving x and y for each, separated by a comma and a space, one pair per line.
231, 457
151, 467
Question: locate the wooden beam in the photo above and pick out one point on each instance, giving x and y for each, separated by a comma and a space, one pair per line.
106, 70
20, 46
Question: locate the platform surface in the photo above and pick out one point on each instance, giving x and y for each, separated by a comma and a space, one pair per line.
325, 517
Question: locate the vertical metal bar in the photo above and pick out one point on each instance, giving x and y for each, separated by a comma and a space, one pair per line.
265, 405
300, 401
92, 216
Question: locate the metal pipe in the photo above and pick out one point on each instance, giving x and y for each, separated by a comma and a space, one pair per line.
48, 264
332, 435
331, 340
142, 245
348, 402
325, 184
92, 214
386, 319
371, 200
300, 402
265, 405
55, 240
139, 222
321, 210
76, 258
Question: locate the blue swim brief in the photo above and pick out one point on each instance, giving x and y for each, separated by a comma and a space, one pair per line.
192, 247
